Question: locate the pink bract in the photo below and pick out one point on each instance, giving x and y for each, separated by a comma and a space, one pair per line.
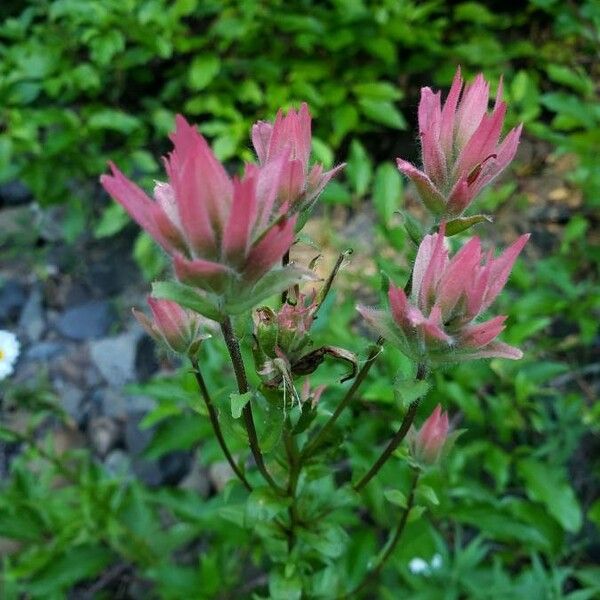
460, 144
428, 442
223, 234
438, 321
180, 329
290, 134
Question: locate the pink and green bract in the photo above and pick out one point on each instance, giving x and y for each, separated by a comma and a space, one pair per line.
460, 144
437, 323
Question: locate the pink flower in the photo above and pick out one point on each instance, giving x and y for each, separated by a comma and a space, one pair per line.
460, 143
223, 234
180, 329
290, 136
438, 321
428, 442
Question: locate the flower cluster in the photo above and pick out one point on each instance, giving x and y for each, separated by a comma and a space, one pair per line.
224, 234
460, 143
437, 323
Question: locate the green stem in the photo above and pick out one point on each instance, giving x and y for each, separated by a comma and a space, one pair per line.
392, 542
242, 382
214, 420
409, 417
314, 444
295, 464
392, 445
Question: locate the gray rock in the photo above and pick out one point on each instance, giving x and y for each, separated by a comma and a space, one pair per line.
220, 474
112, 402
31, 321
14, 192
45, 350
86, 321
12, 298
169, 469
114, 358
197, 480
71, 398
104, 434
118, 464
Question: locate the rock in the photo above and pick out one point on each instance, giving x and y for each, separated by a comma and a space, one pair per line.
114, 358
220, 474
146, 363
118, 464
86, 321
13, 193
197, 480
169, 469
12, 298
44, 351
112, 402
31, 321
104, 434
70, 398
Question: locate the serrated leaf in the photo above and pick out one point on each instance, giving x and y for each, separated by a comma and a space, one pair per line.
396, 497
238, 401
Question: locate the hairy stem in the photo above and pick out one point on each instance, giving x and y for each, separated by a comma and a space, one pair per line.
391, 543
409, 417
242, 383
314, 444
214, 420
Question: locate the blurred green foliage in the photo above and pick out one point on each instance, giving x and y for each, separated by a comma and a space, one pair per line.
514, 513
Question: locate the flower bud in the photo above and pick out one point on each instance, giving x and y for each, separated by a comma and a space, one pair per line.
428, 443
180, 329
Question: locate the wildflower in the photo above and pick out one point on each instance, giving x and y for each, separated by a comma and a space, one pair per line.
223, 234
9, 352
419, 566
438, 323
460, 143
428, 443
180, 329
290, 135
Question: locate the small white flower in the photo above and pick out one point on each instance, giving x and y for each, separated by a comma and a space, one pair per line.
9, 352
418, 566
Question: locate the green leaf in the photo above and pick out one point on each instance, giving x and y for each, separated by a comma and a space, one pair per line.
179, 432
238, 401
263, 504
387, 192
549, 486
359, 169
463, 223
63, 572
407, 391
188, 297
148, 256
396, 497
383, 112
114, 120
414, 228
428, 493
336, 193
203, 70
285, 588
113, 219
274, 282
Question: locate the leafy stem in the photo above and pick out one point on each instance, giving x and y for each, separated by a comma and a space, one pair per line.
214, 420
239, 369
392, 542
314, 444
396, 440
